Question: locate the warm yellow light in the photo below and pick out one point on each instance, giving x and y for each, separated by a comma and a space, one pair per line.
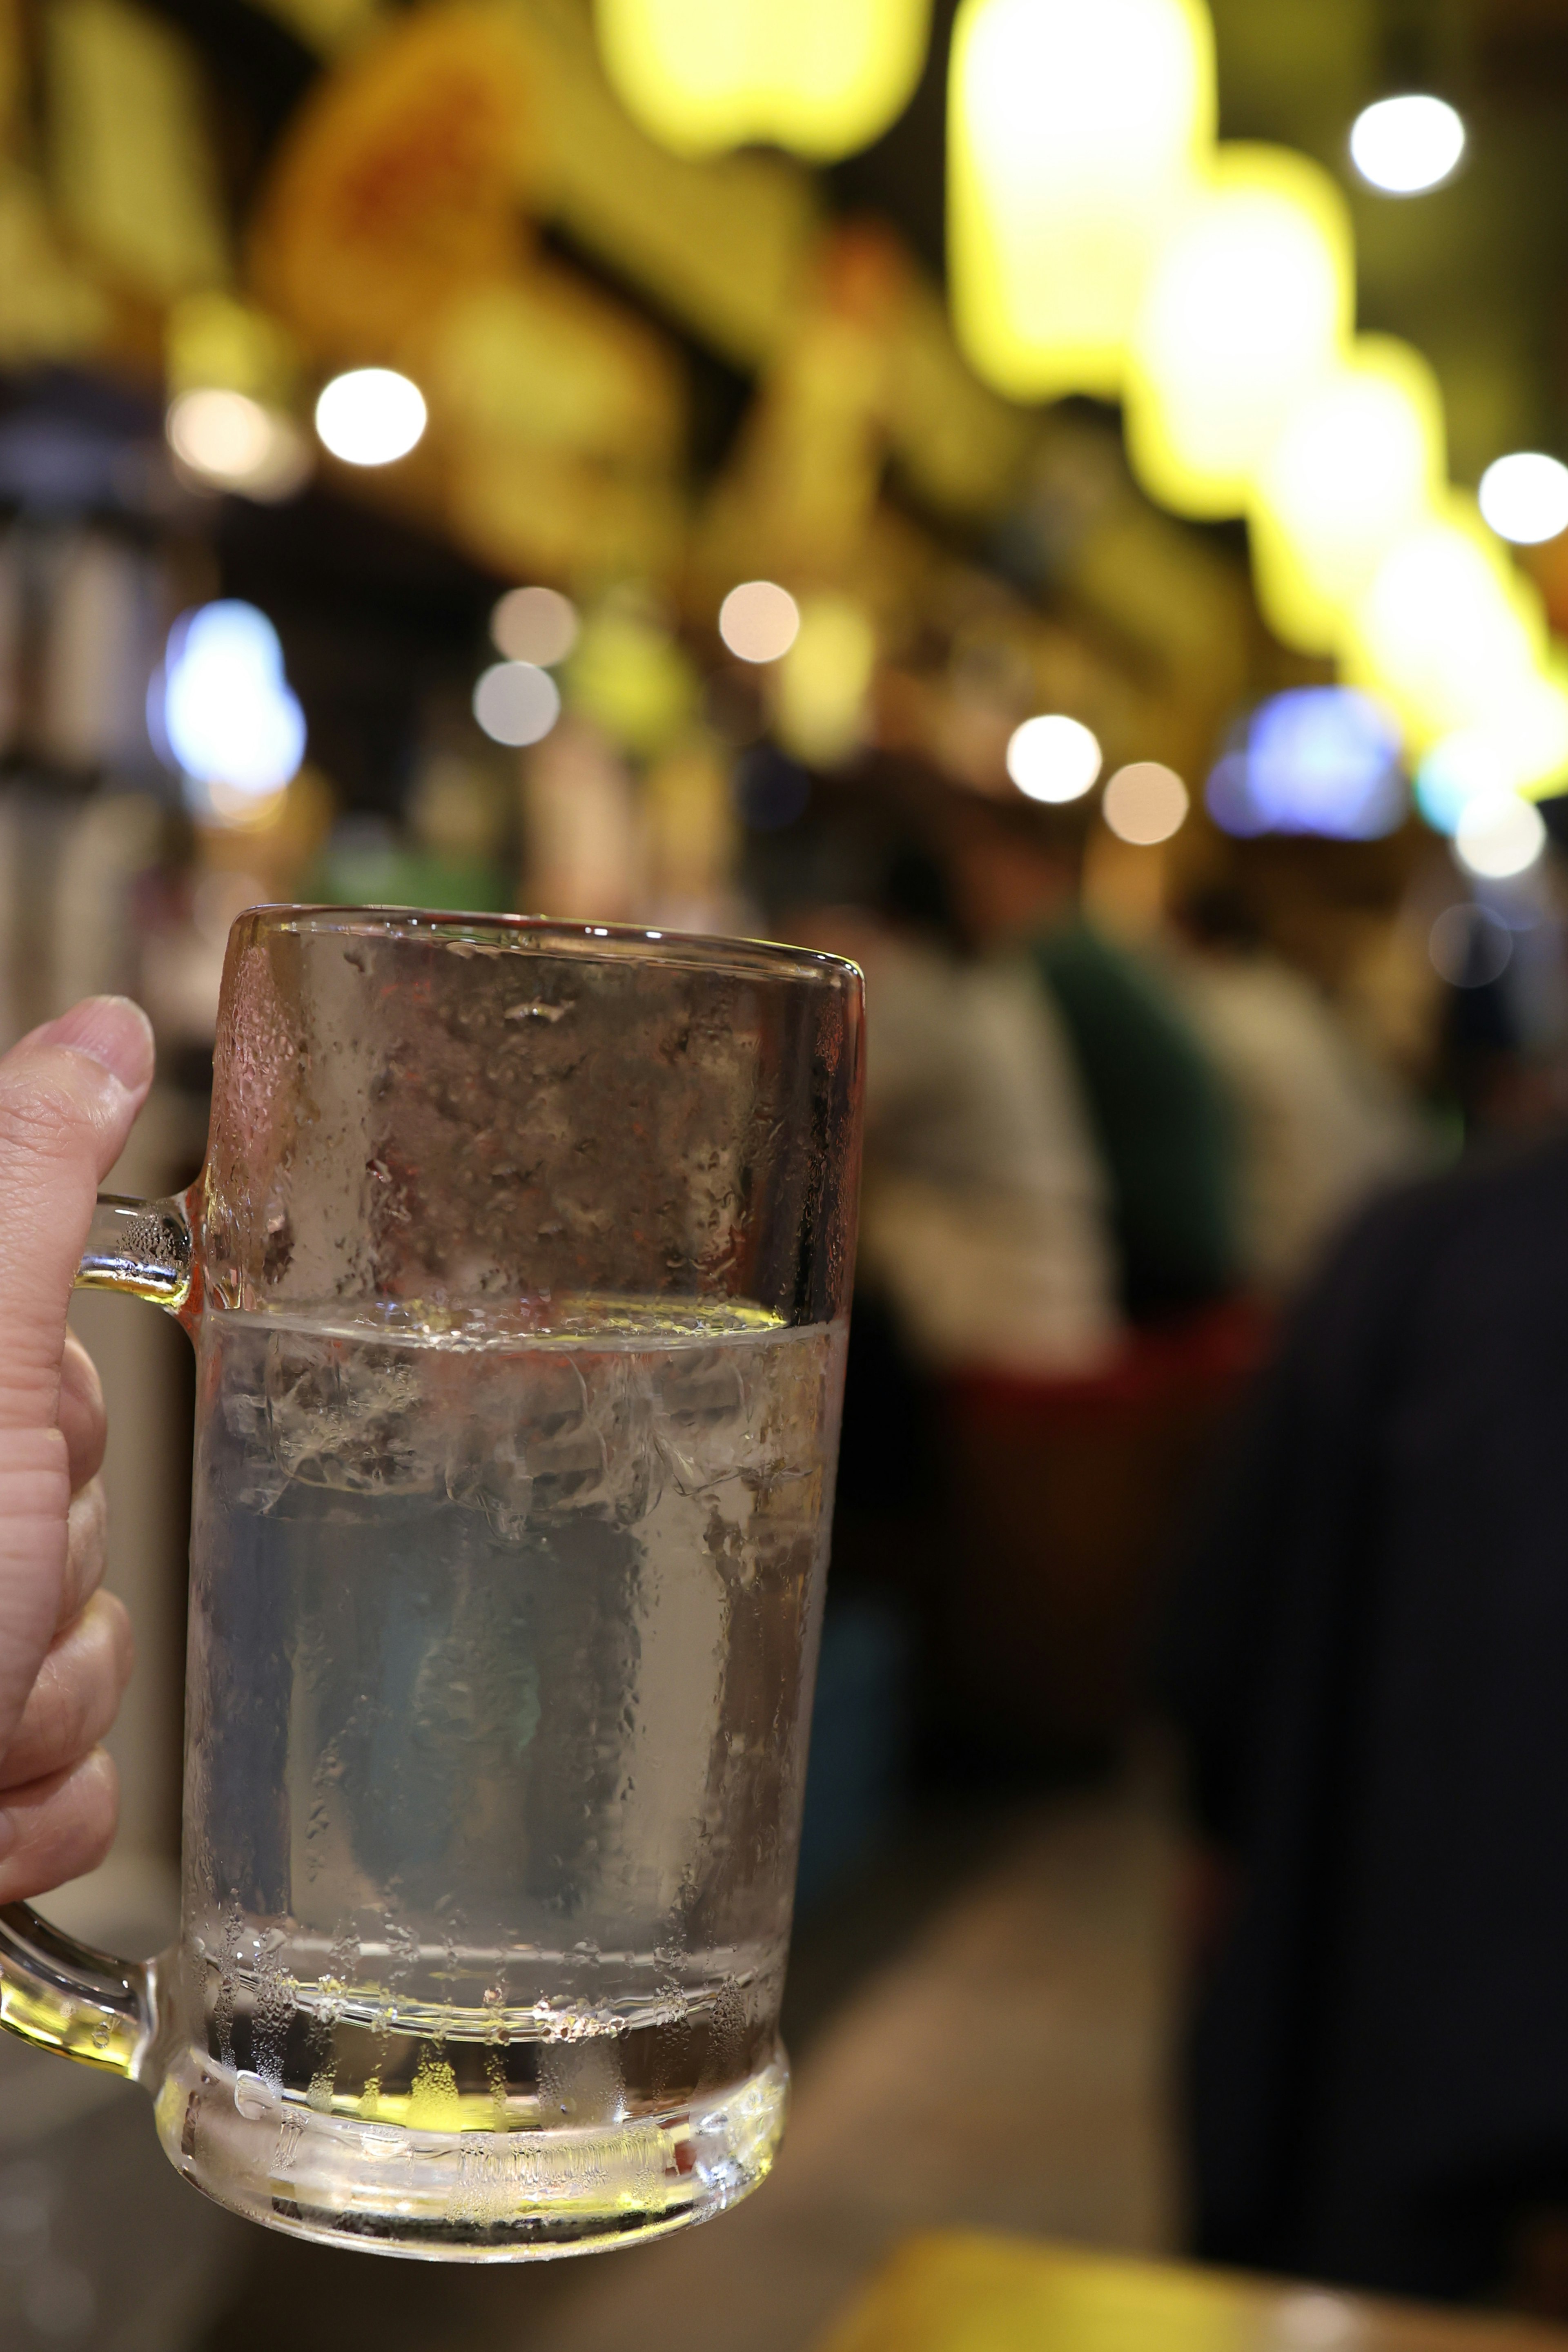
234, 444
1447, 631
822, 681
1520, 747
1073, 130
1251, 303
1357, 463
823, 77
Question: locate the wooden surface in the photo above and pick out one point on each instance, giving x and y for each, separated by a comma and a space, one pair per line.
961, 2291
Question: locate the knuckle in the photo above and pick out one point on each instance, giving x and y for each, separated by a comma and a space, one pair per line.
122, 1640
87, 1546
40, 1118
66, 1821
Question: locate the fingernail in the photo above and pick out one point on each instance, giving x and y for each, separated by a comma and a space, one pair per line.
110, 1031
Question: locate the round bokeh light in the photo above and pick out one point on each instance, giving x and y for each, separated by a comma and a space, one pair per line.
1470, 947
370, 417
1498, 834
516, 702
759, 621
1525, 496
1053, 758
1144, 803
535, 624
1406, 144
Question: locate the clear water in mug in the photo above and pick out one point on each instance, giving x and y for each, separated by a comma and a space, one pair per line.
500, 1658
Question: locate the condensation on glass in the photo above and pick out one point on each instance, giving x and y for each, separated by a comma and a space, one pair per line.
517, 1276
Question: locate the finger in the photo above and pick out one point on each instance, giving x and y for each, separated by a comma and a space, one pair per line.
81, 1414
35, 1497
76, 1697
55, 1829
87, 1551
69, 1092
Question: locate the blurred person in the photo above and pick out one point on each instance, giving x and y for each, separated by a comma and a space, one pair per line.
1319, 1124
1367, 1660
69, 1092
1157, 1108
984, 1226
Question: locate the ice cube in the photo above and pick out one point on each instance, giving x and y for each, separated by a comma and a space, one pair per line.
700, 1417
347, 1417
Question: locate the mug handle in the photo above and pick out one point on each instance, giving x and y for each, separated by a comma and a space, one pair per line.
55, 1992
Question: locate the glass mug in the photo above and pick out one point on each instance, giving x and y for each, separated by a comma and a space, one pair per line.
518, 1274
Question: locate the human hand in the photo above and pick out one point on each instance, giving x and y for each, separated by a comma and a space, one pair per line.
69, 1092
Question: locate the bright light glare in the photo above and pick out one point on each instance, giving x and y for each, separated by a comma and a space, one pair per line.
759, 621
222, 704
516, 702
1073, 132
1053, 758
1402, 145
1498, 834
535, 624
1144, 803
1355, 468
1251, 302
1458, 769
370, 416
1447, 631
1524, 498
824, 76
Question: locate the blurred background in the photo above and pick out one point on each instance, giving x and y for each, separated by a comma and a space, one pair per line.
1057, 500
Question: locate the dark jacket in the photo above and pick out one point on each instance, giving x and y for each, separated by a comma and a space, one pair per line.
1369, 1660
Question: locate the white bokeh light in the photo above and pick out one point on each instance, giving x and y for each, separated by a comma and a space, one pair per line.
370, 417
1144, 803
1405, 145
535, 624
1525, 496
759, 621
1053, 758
1498, 834
516, 702
233, 443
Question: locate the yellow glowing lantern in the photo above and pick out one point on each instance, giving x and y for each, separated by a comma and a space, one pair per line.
1520, 747
823, 77
1357, 464
1073, 132
1251, 301
822, 682
1447, 631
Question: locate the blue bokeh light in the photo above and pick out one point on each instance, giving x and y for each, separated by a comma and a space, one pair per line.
1316, 760
222, 705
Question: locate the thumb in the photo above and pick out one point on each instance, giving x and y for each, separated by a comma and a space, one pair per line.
69, 1092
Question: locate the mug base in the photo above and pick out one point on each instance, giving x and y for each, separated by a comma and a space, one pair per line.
466, 2196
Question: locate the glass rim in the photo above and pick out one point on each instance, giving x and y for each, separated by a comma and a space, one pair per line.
588, 942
